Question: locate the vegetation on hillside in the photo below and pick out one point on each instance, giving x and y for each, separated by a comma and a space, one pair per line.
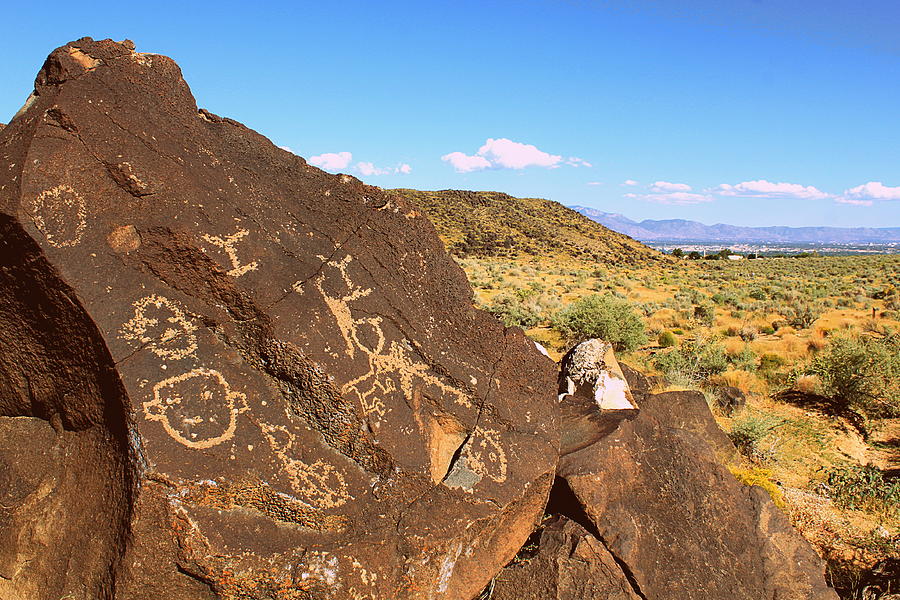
492, 224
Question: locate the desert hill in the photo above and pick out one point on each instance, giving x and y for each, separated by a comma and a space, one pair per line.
497, 224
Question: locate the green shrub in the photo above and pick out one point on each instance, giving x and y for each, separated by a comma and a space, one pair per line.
745, 359
667, 339
863, 488
748, 432
514, 312
692, 362
801, 316
861, 373
770, 361
606, 317
758, 294
705, 314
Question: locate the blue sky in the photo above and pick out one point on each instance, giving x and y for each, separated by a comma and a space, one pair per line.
752, 112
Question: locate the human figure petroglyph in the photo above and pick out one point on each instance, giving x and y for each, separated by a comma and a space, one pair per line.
392, 366
228, 244
198, 409
60, 214
161, 325
318, 484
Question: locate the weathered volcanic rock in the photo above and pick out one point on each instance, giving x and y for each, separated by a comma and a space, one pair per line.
594, 395
570, 564
656, 493
227, 374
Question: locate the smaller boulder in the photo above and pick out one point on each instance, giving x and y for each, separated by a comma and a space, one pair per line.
570, 564
594, 396
591, 370
731, 399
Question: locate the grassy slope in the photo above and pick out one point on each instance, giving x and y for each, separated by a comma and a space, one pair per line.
497, 224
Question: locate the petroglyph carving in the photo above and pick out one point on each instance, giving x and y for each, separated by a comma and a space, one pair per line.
162, 326
392, 366
227, 244
318, 484
60, 214
367, 579
485, 456
198, 409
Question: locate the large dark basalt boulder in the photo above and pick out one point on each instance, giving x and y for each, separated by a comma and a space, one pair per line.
656, 493
225, 373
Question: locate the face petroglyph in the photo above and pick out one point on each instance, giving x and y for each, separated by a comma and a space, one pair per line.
162, 326
392, 366
227, 244
60, 214
198, 409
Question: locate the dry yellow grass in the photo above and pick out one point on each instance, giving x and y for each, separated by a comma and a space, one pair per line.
749, 383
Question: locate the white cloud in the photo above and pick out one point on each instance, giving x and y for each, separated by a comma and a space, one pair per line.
464, 163
503, 153
663, 187
866, 193
845, 200
287, 148
332, 161
629, 182
595, 183
366, 169
766, 189
508, 154
679, 198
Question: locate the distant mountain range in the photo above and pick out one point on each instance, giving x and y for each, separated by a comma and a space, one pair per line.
680, 229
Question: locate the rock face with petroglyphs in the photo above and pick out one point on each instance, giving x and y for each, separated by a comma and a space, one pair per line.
233, 375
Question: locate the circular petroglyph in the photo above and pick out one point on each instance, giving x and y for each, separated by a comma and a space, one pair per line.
160, 324
60, 214
198, 409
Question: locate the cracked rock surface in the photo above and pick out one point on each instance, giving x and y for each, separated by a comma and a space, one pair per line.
644, 508
234, 375
652, 491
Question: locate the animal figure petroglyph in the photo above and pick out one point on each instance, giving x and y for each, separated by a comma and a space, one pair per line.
485, 456
318, 484
162, 326
60, 214
392, 366
228, 244
198, 409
